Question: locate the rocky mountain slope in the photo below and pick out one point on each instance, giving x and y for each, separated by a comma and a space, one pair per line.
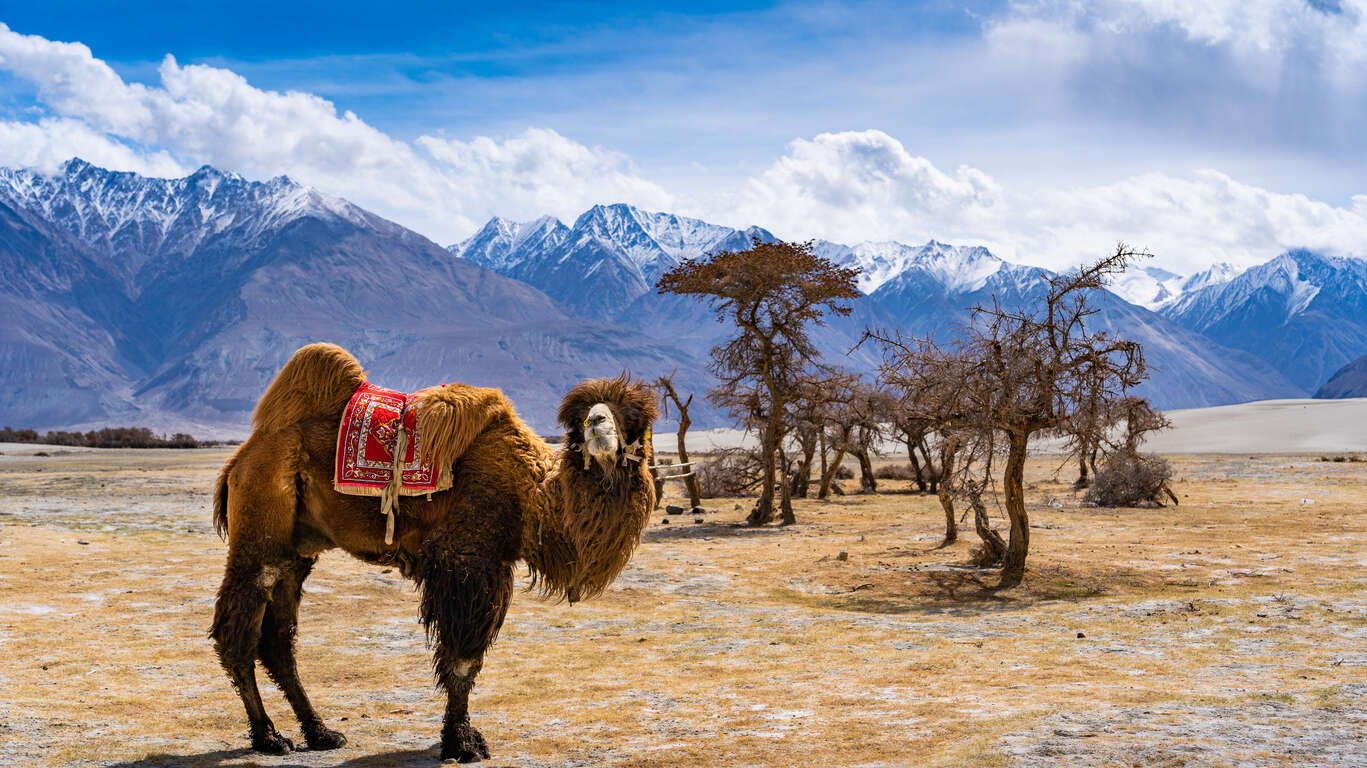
1348, 381
921, 289
166, 301
1304, 313
171, 302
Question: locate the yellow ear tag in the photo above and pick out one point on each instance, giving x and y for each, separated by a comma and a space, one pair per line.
648, 434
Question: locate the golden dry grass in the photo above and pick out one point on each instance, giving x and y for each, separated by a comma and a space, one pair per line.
1229, 631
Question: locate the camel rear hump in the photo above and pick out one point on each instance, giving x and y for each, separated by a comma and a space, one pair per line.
450, 417
317, 381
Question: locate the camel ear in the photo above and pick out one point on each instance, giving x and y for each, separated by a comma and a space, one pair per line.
639, 409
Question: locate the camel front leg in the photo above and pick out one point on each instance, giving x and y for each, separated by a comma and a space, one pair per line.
464, 600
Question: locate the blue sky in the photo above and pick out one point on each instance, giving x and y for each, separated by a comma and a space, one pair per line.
1216, 131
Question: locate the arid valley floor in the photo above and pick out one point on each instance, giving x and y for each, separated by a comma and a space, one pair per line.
1230, 631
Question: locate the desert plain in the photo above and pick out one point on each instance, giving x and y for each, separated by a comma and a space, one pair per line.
1228, 631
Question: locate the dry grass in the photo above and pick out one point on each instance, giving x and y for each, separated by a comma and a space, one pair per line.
1229, 631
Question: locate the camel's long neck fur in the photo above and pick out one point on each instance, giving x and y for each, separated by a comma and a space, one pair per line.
588, 527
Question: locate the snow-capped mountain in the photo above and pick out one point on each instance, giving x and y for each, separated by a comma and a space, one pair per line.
960, 269
174, 301
1147, 286
1187, 369
605, 265
609, 257
135, 223
1304, 313
1214, 275
1154, 287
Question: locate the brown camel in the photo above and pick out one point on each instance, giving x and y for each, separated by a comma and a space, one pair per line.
573, 516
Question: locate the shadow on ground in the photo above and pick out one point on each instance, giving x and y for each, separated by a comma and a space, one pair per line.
966, 591
399, 758
686, 529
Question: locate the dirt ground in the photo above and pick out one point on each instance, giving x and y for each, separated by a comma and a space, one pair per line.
1231, 631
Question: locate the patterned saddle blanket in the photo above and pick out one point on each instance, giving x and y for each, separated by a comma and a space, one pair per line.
379, 437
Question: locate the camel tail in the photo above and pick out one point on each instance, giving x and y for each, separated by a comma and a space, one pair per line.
317, 381
221, 501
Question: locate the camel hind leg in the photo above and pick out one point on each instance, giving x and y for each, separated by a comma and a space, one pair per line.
276, 649
238, 617
254, 504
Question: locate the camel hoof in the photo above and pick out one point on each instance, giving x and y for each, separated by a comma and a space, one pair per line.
272, 743
324, 738
468, 747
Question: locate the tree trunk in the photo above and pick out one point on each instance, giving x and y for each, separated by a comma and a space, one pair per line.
918, 478
826, 476
690, 482
931, 473
802, 478
785, 506
821, 447
763, 513
993, 547
947, 449
867, 482
1082, 479
1013, 486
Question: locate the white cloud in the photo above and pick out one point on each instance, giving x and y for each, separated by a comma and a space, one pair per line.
49, 142
204, 114
847, 186
541, 172
1249, 27
866, 185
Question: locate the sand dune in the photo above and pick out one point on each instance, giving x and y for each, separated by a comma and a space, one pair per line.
1267, 426
1264, 426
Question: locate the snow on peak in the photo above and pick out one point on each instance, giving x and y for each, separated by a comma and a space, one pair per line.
503, 244
1149, 287
1216, 274
961, 269
137, 216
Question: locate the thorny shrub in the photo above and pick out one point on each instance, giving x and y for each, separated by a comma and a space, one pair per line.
1130, 480
894, 472
733, 472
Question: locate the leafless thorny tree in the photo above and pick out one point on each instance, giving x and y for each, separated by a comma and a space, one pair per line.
670, 396
1016, 373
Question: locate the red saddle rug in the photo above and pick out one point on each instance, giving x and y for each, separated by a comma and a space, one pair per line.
377, 424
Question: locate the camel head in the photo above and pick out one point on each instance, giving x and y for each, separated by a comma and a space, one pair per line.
606, 420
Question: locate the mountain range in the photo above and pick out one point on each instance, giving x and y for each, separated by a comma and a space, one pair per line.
171, 302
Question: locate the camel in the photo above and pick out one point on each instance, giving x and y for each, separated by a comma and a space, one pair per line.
573, 516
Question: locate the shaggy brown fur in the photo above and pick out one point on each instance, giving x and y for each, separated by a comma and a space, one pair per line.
511, 499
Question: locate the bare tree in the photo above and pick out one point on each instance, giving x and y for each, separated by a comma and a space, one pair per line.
1026, 371
772, 293
665, 384
808, 413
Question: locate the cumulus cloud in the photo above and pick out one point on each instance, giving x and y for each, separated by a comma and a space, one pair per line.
48, 143
866, 185
541, 172
860, 185
846, 186
206, 114
1261, 74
